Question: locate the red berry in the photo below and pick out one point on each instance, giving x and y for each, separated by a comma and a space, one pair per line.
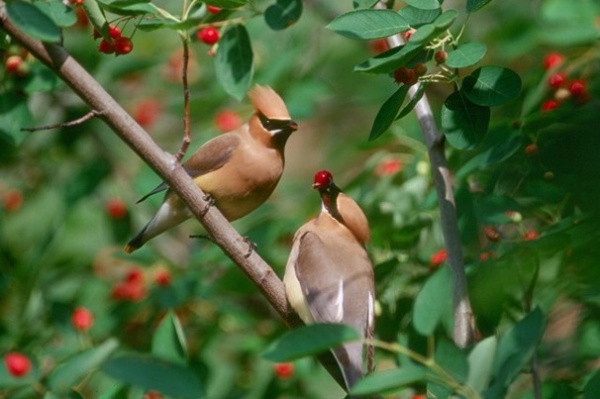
147, 112
549, 105
12, 200
409, 33
420, 69
213, 9
13, 64
208, 35
438, 258
123, 45
553, 60
531, 150
284, 370
82, 18
106, 47
557, 79
412, 78
418, 396
405, 76
440, 56
17, 364
378, 46
135, 275
116, 208
227, 120
114, 32
491, 233
82, 319
162, 277
578, 88
388, 167
76, 2
484, 256
530, 235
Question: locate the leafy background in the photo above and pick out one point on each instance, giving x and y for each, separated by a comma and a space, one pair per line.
61, 248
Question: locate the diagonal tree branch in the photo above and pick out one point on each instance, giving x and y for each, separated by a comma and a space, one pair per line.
166, 165
464, 328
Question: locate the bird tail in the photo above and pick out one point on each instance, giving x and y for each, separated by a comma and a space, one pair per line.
350, 360
136, 242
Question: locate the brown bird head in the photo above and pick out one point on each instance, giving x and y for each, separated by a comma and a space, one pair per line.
271, 118
341, 207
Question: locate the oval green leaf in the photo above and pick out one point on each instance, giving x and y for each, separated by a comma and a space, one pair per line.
423, 34
69, 373
433, 302
491, 86
417, 17
424, 4
387, 113
391, 59
151, 373
283, 14
368, 24
389, 381
233, 62
466, 55
309, 340
445, 20
62, 15
168, 341
32, 21
464, 123
481, 359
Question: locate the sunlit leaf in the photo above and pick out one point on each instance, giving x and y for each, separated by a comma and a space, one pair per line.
283, 14
389, 381
491, 85
464, 123
309, 340
32, 21
466, 55
233, 62
368, 24
481, 360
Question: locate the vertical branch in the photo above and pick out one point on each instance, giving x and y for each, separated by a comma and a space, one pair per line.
464, 328
185, 39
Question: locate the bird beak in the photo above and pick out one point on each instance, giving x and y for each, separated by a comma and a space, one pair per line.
293, 126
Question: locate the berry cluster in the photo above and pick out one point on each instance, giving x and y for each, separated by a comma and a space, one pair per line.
409, 76
118, 44
561, 86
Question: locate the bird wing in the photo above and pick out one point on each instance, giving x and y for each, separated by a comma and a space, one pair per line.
211, 156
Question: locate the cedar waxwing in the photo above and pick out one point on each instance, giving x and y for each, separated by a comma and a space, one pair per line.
329, 277
238, 170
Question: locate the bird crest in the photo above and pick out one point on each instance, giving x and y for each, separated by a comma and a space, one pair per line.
266, 101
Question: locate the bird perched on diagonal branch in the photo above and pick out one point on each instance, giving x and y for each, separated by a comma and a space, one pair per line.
239, 170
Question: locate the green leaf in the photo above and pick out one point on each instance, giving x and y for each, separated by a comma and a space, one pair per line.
466, 55
62, 15
85, 181
481, 360
433, 302
417, 17
474, 5
514, 351
67, 374
389, 381
424, 34
592, 387
392, 59
491, 85
444, 21
387, 113
151, 373
283, 14
14, 114
32, 21
309, 340
128, 8
368, 24
41, 79
226, 3
168, 341
233, 62
491, 209
96, 17
452, 359
413, 101
424, 4
464, 123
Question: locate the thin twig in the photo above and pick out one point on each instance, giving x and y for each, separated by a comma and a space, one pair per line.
464, 328
187, 138
93, 113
